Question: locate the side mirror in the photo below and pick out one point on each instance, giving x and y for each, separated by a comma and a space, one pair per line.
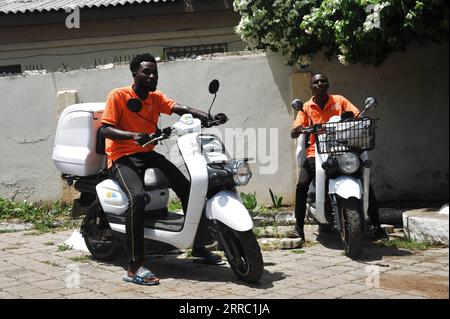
297, 105
370, 103
213, 86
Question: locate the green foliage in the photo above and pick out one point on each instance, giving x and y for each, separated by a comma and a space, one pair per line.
357, 31
64, 247
174, 205
258, 231
409, 244
276, 201
43, 216
249, 200
81, 259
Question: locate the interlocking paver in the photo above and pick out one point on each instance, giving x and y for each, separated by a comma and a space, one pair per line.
31, 268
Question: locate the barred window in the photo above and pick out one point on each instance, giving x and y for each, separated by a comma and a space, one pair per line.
190, 50
10, 69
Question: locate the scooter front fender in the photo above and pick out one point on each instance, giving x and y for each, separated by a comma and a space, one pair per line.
346, 187
227, 207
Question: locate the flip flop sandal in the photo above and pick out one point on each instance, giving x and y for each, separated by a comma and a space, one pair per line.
140, 277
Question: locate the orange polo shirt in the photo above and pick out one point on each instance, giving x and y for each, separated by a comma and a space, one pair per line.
313, 114
117, 114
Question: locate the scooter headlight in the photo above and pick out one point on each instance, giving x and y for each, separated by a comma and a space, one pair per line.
348, 163
241, 173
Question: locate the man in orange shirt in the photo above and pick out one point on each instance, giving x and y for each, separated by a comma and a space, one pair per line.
125, 125
319, 109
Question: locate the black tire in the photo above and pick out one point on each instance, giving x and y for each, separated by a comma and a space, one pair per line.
97, 234
352, 233
244, 255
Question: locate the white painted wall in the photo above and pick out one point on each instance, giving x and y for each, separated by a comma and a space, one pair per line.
411, 158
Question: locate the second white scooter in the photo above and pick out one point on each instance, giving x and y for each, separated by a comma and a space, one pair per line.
339, 195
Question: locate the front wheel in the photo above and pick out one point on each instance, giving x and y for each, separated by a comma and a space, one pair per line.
98, 235
243, 253
352, 232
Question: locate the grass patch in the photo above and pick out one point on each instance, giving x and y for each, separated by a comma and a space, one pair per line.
298, 251
81, 259
64, 247
409, 244
188, 253
174, 205
258, 231
44, 217
49, 243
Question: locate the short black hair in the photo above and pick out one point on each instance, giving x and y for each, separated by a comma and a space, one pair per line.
138, 59
319, 73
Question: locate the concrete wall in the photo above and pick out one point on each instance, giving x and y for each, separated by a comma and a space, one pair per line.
411, 157
53, 46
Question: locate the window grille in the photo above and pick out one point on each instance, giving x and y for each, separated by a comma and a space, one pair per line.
194, 50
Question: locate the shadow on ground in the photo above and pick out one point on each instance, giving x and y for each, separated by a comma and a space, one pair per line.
370, 251
171, 266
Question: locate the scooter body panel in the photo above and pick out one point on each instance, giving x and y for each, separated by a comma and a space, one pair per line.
366, 183
346, 186
196, 165
320, 188
112, 198
227, 207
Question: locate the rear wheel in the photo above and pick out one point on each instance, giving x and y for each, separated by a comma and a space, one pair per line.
352, 232
97, 234
243, 253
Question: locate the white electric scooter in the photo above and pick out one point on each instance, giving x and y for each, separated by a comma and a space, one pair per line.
214, 213
339, 195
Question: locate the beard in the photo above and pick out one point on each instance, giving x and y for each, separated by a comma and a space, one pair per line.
151, 87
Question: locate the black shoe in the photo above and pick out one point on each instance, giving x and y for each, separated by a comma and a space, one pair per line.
378, 233
206, 257
296, 233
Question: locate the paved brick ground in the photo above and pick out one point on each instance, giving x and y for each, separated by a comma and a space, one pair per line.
32, 266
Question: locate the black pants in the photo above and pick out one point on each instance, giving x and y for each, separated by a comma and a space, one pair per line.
306, 176
129, 172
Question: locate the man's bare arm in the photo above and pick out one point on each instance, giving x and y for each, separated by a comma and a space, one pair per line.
182, 109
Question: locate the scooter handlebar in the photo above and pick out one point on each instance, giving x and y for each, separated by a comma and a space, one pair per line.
218, 119
156, 137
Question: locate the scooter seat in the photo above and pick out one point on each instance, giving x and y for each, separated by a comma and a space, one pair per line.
154, 178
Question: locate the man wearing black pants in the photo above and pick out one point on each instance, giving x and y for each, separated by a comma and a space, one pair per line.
319, 109
125, 125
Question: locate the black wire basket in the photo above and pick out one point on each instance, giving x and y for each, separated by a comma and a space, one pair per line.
350, 136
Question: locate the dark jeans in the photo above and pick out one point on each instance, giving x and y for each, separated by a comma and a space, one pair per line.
306, 176
129, 172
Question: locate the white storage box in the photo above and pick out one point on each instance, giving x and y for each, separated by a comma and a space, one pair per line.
74, 151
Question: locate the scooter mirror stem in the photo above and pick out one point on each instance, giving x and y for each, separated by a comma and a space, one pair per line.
370, 103
209, 110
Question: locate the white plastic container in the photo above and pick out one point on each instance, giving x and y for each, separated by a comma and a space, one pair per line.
74, 151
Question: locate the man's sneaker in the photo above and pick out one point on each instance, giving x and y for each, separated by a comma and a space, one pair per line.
296, 233
206, 257
378, 233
